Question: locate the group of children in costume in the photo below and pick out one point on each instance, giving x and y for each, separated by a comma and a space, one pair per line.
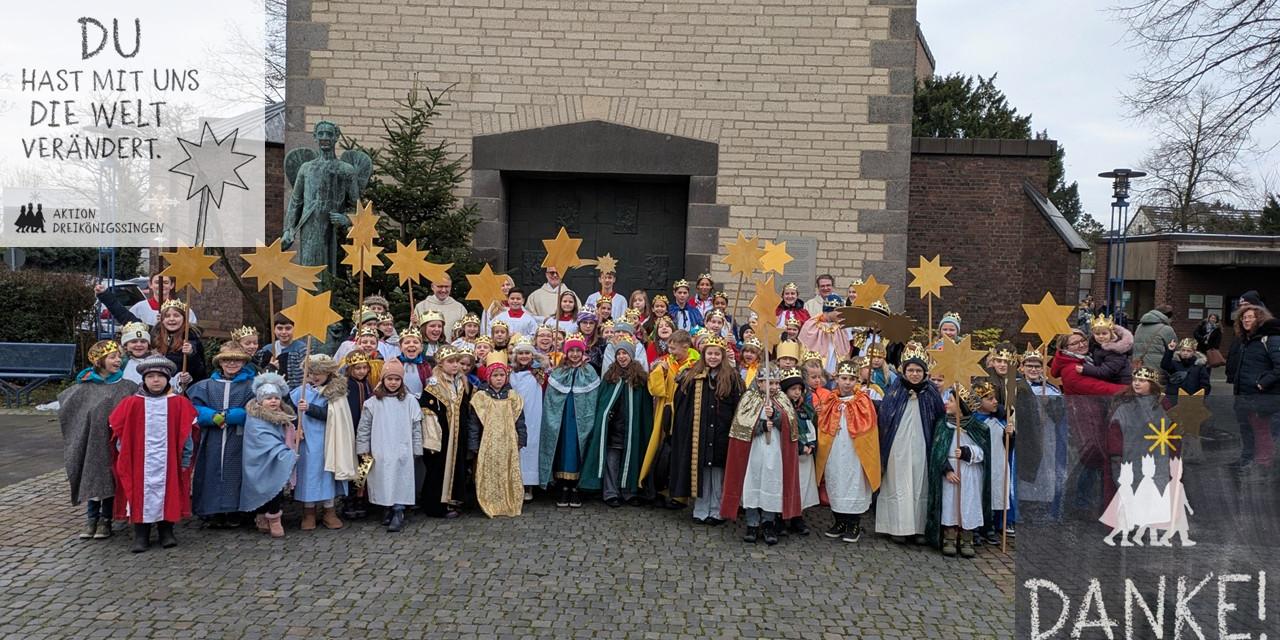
670, 404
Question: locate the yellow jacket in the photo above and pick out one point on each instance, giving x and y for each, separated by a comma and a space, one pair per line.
662, 386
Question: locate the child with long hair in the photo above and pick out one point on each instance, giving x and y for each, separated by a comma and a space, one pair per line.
706, 399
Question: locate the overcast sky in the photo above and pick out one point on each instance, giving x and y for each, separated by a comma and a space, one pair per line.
1066, 64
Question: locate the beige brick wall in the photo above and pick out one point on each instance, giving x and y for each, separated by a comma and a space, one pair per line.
786, 88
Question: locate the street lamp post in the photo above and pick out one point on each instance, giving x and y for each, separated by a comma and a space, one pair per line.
1118, 234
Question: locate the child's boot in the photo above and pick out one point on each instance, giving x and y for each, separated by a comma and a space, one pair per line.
330, 519
141, 538
104, 529
949, 542
966, 545
768, 532
397, 520
274, 526
167, 541
308, 518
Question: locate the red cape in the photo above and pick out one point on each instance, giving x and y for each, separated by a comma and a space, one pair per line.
128, 432
735, 472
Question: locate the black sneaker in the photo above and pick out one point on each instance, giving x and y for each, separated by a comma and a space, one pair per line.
835, 531
752, 535
396, 523
992, 537
614, 502
852, 534
768, 532
799, 526
575, 500
714, 521
563, 499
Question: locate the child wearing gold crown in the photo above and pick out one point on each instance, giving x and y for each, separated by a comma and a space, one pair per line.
1187, 369
624, 416
958, 483
848, 459
761, 469
390, 434
702, 297
983, 403
568, 413
82, 414
431, 324
1110, 351
446, 407
664, 372
907, 417
496, 436
219, 401
417, 370
1144, 403
359, 389
682, 309
706, 398
135, 344
948, 327
791, 308
182, 346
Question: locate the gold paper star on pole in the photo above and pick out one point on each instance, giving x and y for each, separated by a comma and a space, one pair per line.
364, 225
1190, 412
486, 287
1047, 319
765, 302
743, 255
775, 257
958, 362
868, 292
930, 277
407, 261
372, 258
311, 314
270, 265
767, 332
189, 267
562, 252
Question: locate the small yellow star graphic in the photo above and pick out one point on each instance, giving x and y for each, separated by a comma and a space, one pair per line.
1162, 436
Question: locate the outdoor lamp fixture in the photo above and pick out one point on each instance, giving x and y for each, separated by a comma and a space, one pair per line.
1118, 234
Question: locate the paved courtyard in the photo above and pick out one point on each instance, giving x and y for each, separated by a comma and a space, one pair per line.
594, 573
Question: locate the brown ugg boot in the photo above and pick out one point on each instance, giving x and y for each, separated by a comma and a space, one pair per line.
274, 526
330, 519
308, 518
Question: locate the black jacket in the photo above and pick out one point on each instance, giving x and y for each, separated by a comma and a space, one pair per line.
1206, 339
1190, 377
1254, 360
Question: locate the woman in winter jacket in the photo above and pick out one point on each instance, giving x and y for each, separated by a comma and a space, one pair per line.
1110, 349
1253, 368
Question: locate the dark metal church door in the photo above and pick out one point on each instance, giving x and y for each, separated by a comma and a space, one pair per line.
641, 223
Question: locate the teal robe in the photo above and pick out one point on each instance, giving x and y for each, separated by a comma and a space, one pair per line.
939, 464
561, 383
636, 405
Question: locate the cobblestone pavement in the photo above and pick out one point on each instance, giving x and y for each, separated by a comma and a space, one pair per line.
592, 573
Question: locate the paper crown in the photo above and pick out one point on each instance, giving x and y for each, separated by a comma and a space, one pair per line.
484, 340
863, 362
1004, 352
705, 276
367, 331
847, 368
1032, 354
466, 350
631, 315
1147, 373
574, 340
789, 349
680, 283
431, 316
721, 295
522, 343
411, 332
791, 372
793, 321
752, 343
915, 352
496, 357
624, 338
102, 349
243, 332
951, 317
833, 302
354, 358
715, 313
134, 331
770, 373
712, 340
791, 286
1187, 343
364, 314
810, 354
881, 306
172, 303
494, 324
447, 352
470, 318
877, 350
385, 317
973, 397
1102, 322
857, 282
607, 324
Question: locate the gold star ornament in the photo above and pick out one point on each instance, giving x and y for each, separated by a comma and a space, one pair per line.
775, 257
189, 267
562, 252
958, 362
1190, 412
768, 333
407, 261
486, 287
869, 292
604, 264
1047, 319
365, 264
311, 314
364, 225
271, 265
930, 277
765, 302
743, 256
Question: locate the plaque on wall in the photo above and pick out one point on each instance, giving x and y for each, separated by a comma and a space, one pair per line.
803, 267
1197, 299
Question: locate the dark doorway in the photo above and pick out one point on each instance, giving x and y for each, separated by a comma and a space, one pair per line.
639, 221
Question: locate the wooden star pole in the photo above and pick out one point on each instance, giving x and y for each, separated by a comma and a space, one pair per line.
930, 278
189, 267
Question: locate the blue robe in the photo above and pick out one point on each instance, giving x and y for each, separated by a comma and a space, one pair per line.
894, 406
314, 483
268, 462
568, 413
215, 483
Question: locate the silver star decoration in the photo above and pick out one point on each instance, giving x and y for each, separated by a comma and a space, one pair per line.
212, 167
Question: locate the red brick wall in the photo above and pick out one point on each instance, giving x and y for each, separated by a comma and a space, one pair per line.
971, 210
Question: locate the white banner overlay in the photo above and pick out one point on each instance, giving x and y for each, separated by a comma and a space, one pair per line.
132, 124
